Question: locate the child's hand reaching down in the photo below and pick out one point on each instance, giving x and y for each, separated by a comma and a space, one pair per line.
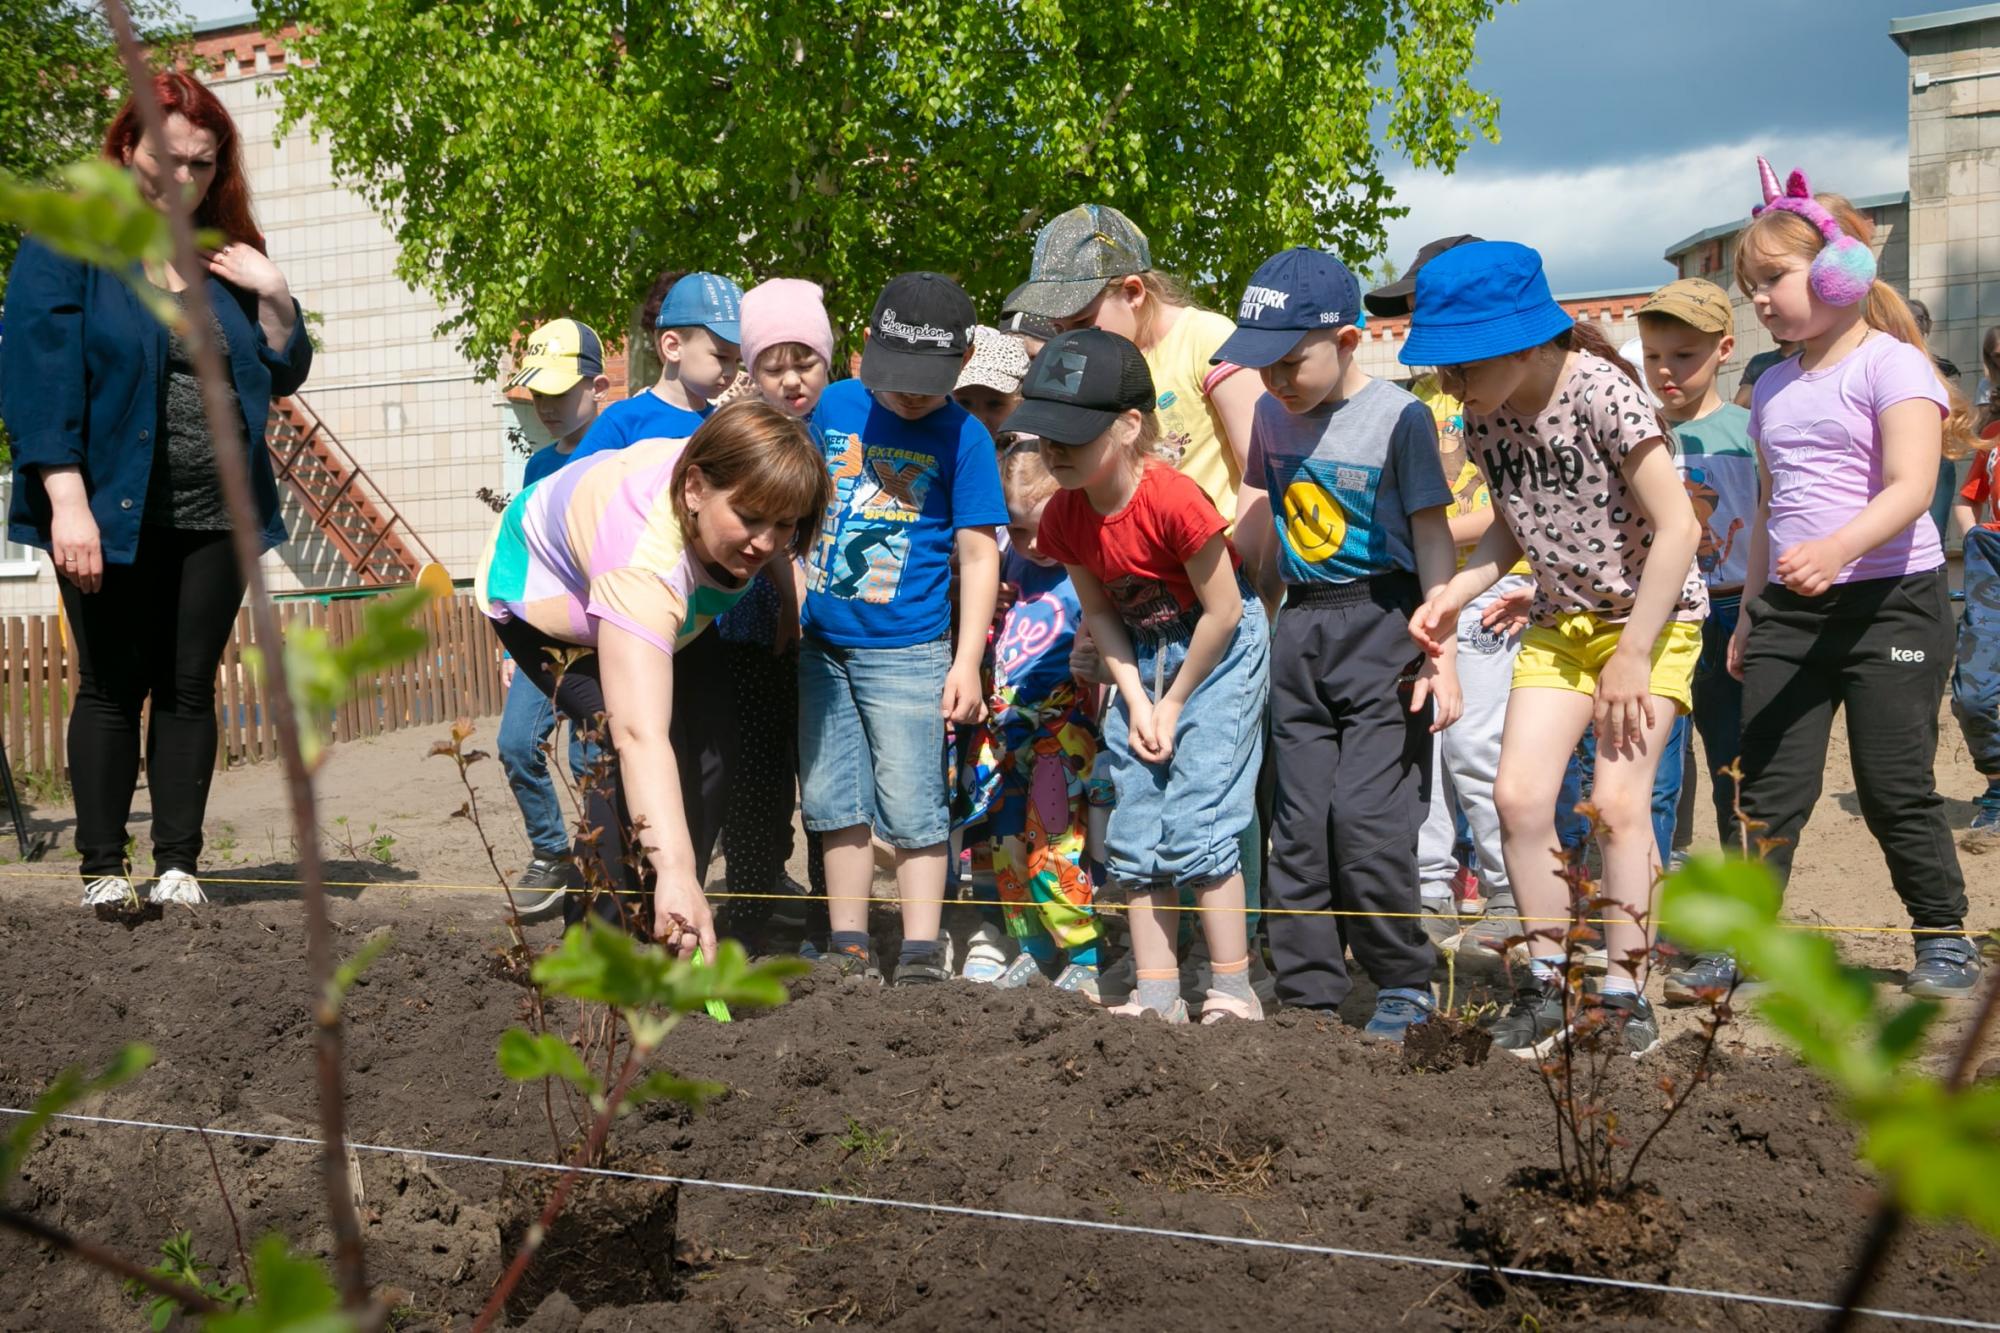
1437, 681
964, 701
1509, 611
1435, 624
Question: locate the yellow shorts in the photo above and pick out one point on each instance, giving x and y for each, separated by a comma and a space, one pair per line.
1570, 658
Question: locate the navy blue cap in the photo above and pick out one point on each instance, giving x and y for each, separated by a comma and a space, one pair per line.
1480, 301
1295, 292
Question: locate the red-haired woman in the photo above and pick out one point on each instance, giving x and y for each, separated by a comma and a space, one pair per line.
115, 476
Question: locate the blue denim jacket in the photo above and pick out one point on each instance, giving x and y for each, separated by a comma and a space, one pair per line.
82, 381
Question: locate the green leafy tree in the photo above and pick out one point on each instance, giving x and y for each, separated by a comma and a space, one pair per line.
544, 157
60, 84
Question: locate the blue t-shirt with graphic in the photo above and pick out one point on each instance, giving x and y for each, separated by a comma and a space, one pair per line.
1031, 651
643, 416
1343, 480
1718, 465
879, 575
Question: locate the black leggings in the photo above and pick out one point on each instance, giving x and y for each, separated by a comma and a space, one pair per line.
703, 734
154, 628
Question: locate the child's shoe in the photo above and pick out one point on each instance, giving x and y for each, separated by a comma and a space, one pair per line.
1440, 920
1534, 1023
1220, 1007
852, 961
1465, 891
1985, 817
1709, 977
1082, 979
1397, 1010
1629, 1022
1025, 970
1947, 968
1176, 1016
926, 972
985, 954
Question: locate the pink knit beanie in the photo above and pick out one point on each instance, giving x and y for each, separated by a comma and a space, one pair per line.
785, 310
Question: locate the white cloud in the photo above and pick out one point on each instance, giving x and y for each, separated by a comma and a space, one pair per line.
1606, 226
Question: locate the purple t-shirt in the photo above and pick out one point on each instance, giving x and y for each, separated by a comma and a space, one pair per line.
1818, 434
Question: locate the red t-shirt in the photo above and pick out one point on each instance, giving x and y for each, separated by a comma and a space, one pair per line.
1979, 491
1140, 553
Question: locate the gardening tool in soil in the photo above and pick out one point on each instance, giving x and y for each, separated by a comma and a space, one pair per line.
34, 846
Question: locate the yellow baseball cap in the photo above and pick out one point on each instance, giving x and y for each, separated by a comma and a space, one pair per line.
1695, 302
556, 356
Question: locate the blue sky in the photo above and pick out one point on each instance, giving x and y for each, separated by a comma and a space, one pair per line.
1627, 125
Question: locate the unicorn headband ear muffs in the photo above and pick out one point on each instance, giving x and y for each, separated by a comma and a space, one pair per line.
1844, 269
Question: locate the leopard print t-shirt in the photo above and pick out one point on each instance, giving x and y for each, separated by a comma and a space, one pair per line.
1559, 482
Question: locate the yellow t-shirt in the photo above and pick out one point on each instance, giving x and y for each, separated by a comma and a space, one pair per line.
1190, 429
1469, 492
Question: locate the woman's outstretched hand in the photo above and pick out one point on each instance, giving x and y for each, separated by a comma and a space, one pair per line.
682, 921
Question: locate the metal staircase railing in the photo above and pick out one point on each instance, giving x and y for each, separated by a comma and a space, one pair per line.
345, 505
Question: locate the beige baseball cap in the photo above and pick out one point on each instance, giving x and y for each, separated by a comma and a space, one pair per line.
1696, 302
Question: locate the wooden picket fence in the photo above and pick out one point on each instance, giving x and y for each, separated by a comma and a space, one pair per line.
458, 676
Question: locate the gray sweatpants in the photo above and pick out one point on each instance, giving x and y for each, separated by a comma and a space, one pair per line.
1466, 756
1354, 768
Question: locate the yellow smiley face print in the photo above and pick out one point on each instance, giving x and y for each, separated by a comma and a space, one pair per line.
1315, 524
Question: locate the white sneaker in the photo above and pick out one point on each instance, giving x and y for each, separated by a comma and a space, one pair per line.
985, 954
177, 886
111, 891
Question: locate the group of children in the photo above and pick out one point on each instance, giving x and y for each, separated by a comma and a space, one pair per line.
1194, 616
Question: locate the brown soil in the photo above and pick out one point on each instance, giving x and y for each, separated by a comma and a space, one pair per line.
1026, 1102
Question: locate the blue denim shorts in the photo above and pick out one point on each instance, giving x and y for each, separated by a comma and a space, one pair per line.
1178, 824
872, 741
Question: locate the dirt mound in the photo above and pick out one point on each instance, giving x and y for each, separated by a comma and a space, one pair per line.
1025, 1102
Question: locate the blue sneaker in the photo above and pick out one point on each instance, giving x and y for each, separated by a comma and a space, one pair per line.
1986, 816
1947, 968
1397, 1010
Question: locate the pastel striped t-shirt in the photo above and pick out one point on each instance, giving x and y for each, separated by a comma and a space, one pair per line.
598, 541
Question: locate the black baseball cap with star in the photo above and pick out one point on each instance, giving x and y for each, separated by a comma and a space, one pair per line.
1079, 384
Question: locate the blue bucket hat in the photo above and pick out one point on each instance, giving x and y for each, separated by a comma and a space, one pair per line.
1479, 301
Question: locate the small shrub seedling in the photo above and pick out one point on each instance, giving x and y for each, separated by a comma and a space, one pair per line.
645, 993
179, 1263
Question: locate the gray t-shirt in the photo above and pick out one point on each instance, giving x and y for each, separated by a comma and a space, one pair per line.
1344, 479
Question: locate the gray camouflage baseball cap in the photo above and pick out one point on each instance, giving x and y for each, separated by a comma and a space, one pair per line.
1075, 254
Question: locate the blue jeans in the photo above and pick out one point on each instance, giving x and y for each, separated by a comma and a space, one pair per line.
1181, 822
1718, 710
1975, 679
525, 724
871, 740
1571, 828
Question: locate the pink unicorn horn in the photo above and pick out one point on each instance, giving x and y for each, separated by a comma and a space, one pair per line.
1772, 191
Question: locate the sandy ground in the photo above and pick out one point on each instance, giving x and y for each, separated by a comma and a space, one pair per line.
391, 836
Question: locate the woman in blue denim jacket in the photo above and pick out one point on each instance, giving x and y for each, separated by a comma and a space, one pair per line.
114, 476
